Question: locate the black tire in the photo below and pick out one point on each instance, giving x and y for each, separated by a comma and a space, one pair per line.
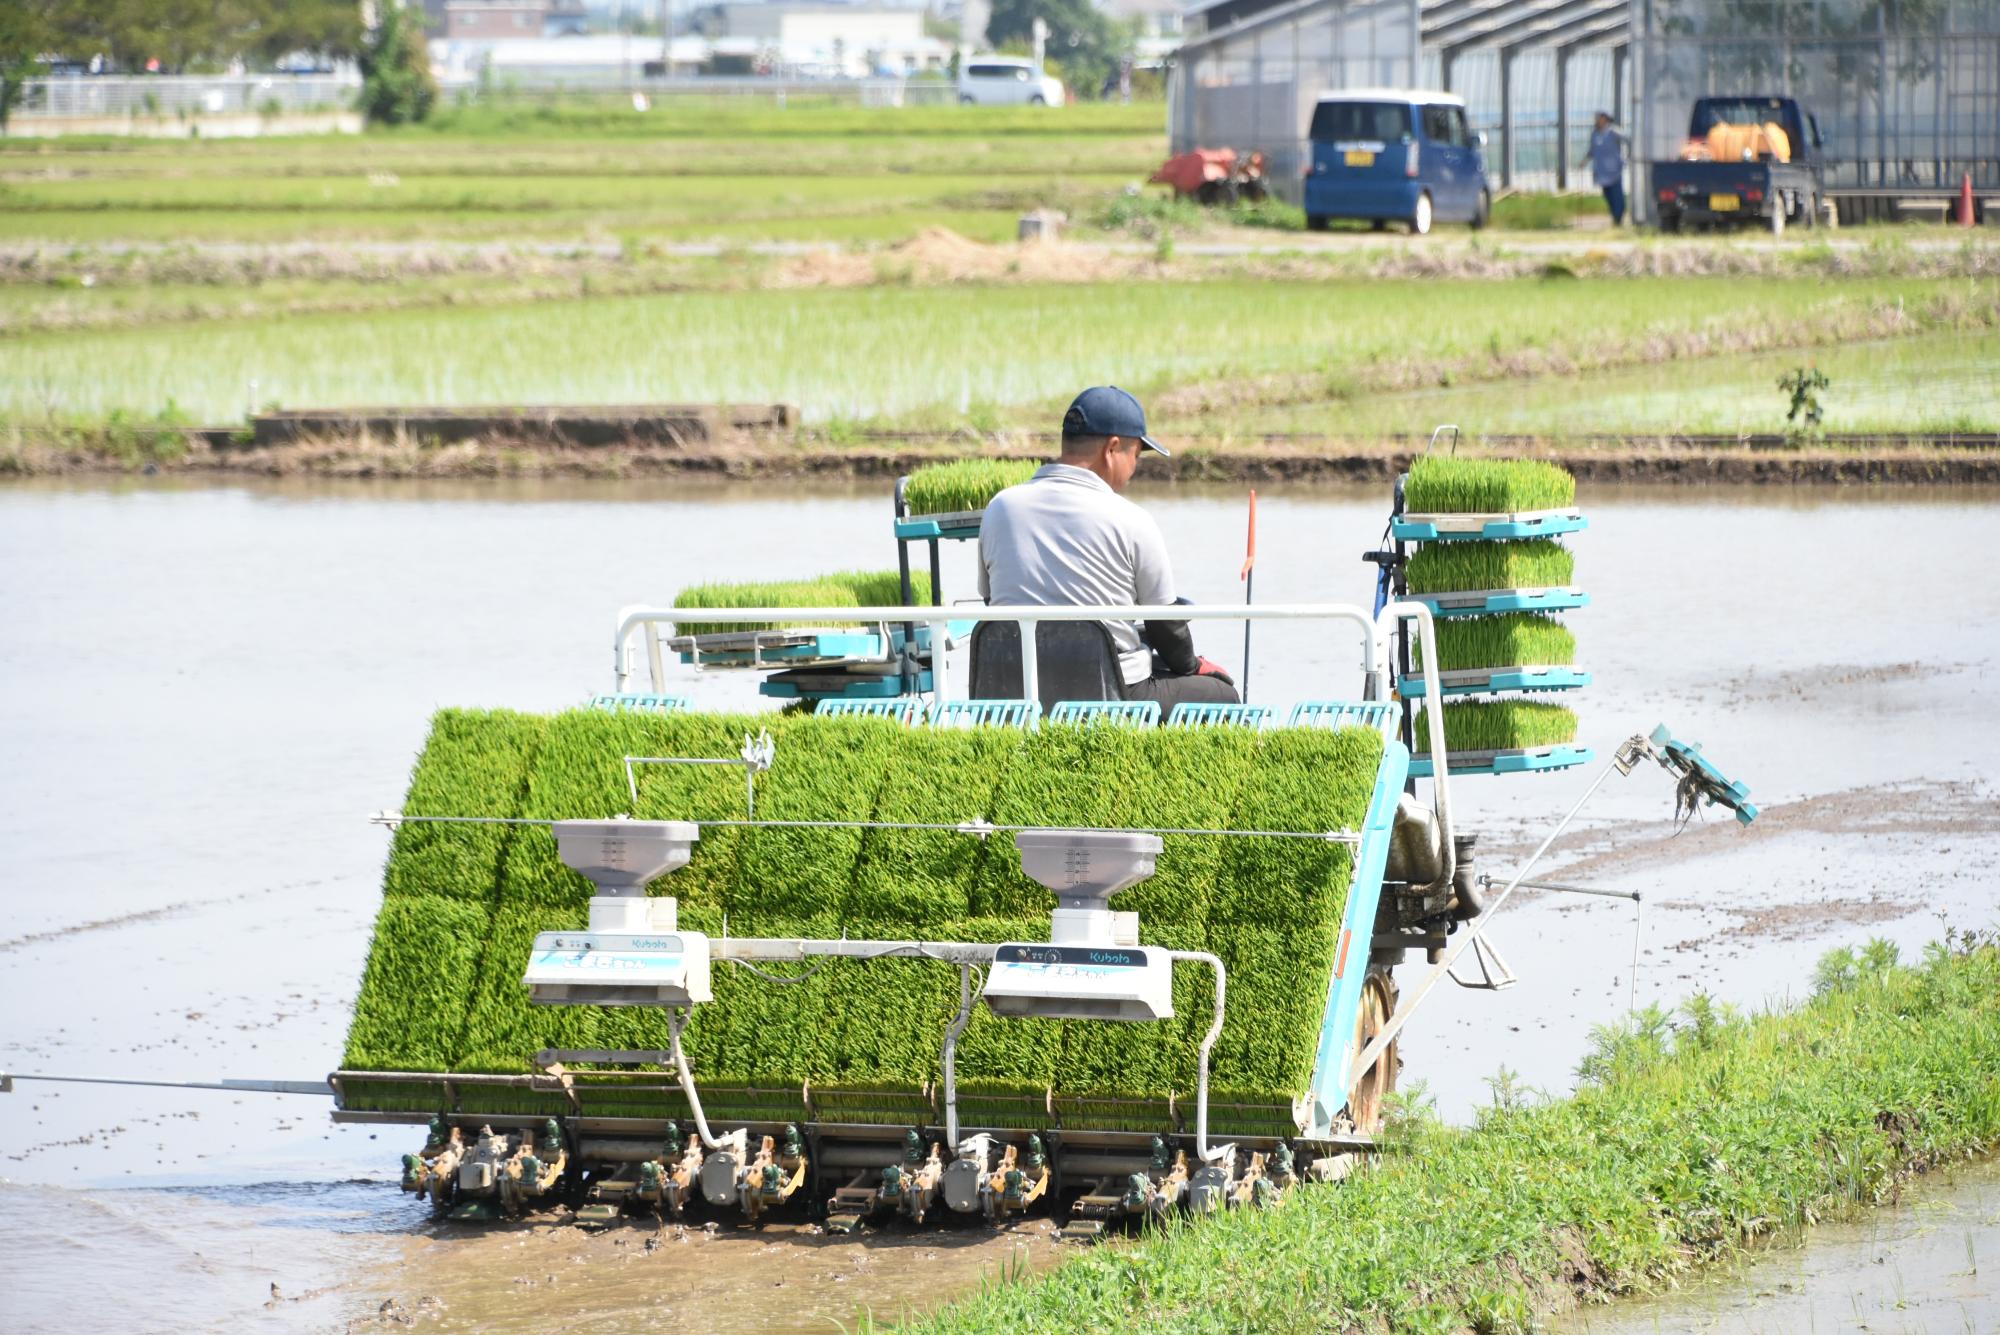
1208, 193
965, 99
1378, 224
1670, 220
1253, 192
1038, 101
1318, 222
1482, 212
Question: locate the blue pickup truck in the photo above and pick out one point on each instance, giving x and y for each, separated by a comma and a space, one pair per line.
1758, 180
1395, 155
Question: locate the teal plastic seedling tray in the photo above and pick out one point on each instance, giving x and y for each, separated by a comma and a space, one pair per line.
953, 527
1488, 602
767, 650
1487, 527
1478, 681
1528, 761
839, 686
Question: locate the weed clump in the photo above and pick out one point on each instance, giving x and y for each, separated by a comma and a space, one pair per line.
1499, 725
1447, 484
966, 484
1458, 567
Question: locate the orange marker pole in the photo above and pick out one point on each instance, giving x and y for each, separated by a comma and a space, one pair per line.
1249, 577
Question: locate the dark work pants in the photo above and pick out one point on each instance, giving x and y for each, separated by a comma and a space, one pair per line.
1171, 691
1614, 199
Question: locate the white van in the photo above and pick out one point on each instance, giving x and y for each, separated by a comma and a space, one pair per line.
1001, 81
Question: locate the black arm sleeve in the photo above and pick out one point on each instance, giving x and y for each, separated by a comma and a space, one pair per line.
1175, 646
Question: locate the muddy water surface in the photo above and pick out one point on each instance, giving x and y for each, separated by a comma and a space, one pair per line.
204, 691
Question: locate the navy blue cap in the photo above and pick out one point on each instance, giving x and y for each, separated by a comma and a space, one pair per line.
1106, 410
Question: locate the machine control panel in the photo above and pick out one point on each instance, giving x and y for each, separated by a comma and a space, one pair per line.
608, 969
1081, 982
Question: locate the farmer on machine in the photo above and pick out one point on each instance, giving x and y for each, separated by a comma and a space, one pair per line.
1066, 537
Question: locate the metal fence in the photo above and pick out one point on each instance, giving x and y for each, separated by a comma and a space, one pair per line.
113, 95
609, 82
1907, 96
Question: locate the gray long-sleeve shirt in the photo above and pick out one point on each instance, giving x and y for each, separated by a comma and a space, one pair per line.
1063, 538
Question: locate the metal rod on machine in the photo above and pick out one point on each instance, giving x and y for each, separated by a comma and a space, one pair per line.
317, 1087
677, 1018
1207, 1045
951, 1033
1373, 1052
1434, 712
1632, 895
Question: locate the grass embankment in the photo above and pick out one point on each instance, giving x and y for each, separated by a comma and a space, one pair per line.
1206, 357
1269, 908
1692, 1135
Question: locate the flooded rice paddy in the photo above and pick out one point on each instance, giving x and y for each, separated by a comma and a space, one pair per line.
207, 690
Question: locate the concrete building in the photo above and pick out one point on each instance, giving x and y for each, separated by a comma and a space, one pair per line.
833, 40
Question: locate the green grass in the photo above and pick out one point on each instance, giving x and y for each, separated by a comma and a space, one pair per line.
1458, 567
852, 588
1499, 725
1694, 1135
1514, 639
926, 357
1530, 212
1448, 484
1270, 908
963, 484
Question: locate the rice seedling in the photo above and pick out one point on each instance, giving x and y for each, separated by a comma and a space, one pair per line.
847, 588
965, 484
1448, 484
475, 763
822, 592
1499, 725
1455, 567
1268, 907
1694, 1135
1509, 640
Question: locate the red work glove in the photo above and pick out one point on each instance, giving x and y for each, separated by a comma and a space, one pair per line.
1209, 668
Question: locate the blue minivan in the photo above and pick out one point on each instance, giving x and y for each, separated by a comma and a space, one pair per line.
1395, 155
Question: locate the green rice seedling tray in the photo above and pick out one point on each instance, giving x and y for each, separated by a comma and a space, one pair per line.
1487, 527
839, 685
1478, 681
860, 1041
1527, 761
1489, 602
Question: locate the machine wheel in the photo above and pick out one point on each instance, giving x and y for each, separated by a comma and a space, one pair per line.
1482, 212
1253, 192
965, 99
1318, 222
1670, 220
1038, 101
1420, 221
1378, 1003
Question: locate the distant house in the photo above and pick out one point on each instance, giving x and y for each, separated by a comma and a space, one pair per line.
488, 20
830, 40
1159, 23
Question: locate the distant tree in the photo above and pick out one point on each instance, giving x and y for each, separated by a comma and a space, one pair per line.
24, 40
1087, 43
396, 83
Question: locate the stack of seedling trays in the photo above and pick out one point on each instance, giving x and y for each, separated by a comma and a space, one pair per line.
849, 661
1482, 553
946, 503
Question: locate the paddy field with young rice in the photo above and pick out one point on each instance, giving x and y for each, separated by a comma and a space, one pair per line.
286, 645
859, 265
